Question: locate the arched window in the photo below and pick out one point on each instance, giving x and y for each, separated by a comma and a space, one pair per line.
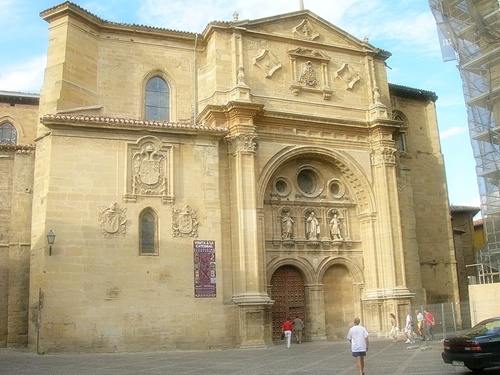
157, 99
148, 233
400, 137
8, 134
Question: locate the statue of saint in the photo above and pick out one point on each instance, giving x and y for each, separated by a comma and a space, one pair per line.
313, 228
335, 228
287, 227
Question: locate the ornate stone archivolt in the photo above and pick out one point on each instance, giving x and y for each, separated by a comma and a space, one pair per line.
184, 222
347, 76
305, 30
149, 170
246, 143
112, 220
310, 72
268, 62
384, 155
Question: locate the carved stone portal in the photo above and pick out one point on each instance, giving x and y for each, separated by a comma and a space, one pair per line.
112, 220
184, 222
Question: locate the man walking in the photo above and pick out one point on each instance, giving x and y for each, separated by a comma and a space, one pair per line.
298, 326
358, 337
409, 329
429, 322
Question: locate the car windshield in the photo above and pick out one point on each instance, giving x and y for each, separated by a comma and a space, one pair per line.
485, 328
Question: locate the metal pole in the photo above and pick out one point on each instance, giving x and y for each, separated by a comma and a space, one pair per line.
443, 319
454, 318
38, 320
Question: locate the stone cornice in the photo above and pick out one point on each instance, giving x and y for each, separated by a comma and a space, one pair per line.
19, 149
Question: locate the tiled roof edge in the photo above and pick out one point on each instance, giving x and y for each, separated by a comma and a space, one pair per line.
134, 122
409, 92
105, 22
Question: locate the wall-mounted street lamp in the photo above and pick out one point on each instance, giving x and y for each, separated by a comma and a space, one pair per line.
51, 237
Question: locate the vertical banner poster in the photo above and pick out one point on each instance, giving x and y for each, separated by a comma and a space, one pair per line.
205, 285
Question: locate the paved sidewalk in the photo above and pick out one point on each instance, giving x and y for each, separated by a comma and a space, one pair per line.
308, 358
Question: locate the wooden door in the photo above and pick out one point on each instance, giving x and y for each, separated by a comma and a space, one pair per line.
287, 291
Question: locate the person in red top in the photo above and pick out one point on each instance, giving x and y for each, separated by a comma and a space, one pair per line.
429, 321
286, 328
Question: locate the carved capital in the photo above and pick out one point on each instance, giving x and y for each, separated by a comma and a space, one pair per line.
246, 143
384, 155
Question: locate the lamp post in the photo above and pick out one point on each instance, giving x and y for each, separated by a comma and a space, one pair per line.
51, 237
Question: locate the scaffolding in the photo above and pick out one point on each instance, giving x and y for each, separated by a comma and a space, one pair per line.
469, 33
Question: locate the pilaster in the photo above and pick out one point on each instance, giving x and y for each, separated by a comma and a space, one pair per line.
248, 271
385, 274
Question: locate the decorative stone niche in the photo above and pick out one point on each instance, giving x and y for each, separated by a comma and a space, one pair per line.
310, 72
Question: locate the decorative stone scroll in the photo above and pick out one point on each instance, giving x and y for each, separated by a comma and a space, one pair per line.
184, 222
384, 155
310, 72
347, 76
150, 170
268, 62
112, 220
305, 30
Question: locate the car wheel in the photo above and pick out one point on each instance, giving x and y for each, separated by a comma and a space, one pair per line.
475, 369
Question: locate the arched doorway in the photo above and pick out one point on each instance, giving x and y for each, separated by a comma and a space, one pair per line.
288, 293
339, 301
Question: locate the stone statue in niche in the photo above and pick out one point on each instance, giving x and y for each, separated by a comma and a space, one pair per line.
287, 227
308, 76
112, 219
313, 229
335, 228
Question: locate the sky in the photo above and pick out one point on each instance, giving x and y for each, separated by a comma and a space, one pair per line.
406, 28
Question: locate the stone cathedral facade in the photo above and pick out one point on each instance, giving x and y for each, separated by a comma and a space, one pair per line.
203, 187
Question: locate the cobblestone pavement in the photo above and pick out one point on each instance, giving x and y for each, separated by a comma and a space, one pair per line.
308, 358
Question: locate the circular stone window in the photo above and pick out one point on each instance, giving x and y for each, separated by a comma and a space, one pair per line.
282, 186
307, 180
337, 188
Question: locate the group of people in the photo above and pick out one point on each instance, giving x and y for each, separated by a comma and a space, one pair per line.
296, 326
357, 336
425, 323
